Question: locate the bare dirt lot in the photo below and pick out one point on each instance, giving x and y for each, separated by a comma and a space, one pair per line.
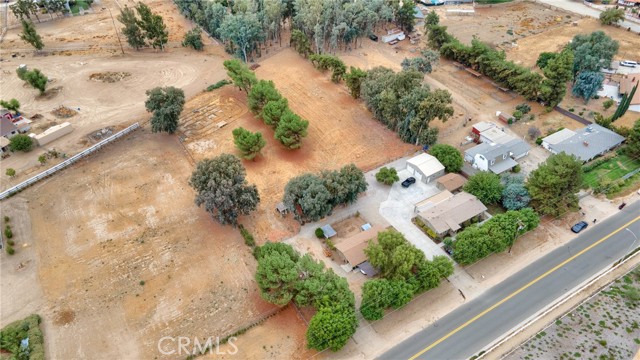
82, 48
126, 258
491, 24
341, 131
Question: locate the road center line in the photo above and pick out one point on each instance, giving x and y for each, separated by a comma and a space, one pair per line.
521, 289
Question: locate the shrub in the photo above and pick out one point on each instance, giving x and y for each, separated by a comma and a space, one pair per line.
516, 169
7, 219
524, 108
10, 250
21, 142
387, 176
11, 172
246, 235
7, 232
330, 244
534, 132
571, 109
608, 103
42, 159
319, 233
142, 282
11, 243
517, 115
218, 85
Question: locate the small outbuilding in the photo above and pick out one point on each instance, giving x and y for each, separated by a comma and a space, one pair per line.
282, 208
451, 182
328, 231
425, 168
4, 145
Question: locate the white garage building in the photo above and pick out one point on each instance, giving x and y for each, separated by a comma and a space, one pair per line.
425, 168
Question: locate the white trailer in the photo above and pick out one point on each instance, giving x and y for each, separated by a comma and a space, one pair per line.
394, 36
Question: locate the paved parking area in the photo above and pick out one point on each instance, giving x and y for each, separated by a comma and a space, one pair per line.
398, 210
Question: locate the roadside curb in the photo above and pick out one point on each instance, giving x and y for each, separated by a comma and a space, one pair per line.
554, 305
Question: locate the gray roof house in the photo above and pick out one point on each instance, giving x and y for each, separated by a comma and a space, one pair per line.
585, 144
7, 128
497, 158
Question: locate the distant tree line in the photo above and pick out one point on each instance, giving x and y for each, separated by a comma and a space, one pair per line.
328, 25
23, 9
404, 273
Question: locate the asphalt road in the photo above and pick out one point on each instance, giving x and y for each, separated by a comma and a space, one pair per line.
467, 330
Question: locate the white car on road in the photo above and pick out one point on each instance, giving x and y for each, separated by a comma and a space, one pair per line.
629, 63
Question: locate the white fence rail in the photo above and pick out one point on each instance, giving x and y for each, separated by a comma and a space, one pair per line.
67, 162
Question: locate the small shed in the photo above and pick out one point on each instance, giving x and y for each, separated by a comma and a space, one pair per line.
425, 168
451, 182
505, 117
328, 231
282, 209
4, 145
367, 269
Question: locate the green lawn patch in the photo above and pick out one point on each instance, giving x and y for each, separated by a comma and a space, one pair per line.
11, 337
612, 169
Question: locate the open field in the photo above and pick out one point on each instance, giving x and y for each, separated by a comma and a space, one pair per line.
123, 254
88, 48
491, 24
528, 49
605, 327
341, 131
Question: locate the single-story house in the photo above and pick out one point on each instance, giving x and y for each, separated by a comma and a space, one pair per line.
351, 250
448, 216
425, 168
556, 138
586, 143
626, 86
451, 182
432, 201
4, 145
7, 128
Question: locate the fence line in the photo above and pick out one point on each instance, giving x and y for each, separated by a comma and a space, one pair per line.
64, 164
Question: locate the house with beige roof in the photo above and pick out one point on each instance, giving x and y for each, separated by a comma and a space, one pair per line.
448, 216
351, 250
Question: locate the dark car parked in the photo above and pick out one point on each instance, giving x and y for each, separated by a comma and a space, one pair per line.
579, 227
373, 37
410, 181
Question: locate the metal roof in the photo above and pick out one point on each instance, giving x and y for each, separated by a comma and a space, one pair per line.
448, 214
559, 136
328, 231
503, 166
427, 164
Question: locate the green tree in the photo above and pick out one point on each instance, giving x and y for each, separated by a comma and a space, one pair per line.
380, 294
435, 105
344, 185
12, 105
431, 19
308, 193
405, 16
37, 80
354, 79
448, 156
607, 104
153, 26
428, 136
260, 94
420, 64
515, 195
131, 29
301, 43
331, 328
243, 31
193, 38
394, 255
30, 36
222, 188
544, 58
587, 84
592, 51
20, 142
291, 129
10, 172
166, 105
273, 111
554, 184
248, 143
277, 273
611, 16
387, 176
242, 77
22, 9
486, 186
558, 72
633, 141
438, 36
319, 287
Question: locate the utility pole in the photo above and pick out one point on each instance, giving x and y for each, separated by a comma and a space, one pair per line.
116, 30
